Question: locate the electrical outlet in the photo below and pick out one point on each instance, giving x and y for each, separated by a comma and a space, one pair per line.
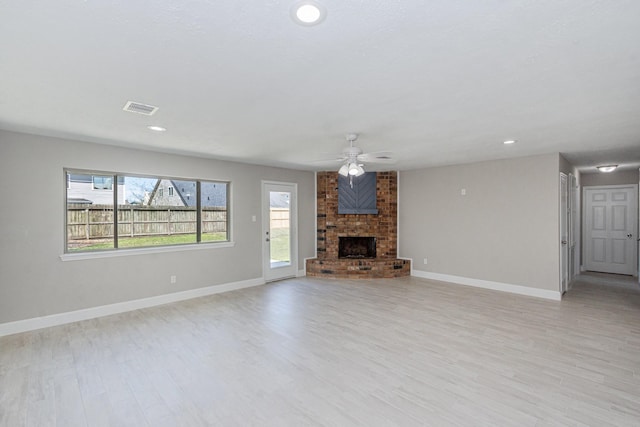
173, 279
425, 261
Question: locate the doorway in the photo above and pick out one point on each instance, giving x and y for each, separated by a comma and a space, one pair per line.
610, 228
280, 232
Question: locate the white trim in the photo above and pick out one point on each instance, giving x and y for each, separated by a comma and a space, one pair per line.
562, 216
608, 187
120, 307
487, 284
144, 251
315, 217
398, 192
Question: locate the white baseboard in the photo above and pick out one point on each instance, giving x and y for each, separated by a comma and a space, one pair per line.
121, 307
486, 284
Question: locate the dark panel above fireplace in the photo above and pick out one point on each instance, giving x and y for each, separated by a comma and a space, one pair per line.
356, 247
357, 195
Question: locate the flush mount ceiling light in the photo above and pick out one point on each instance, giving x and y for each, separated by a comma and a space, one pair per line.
308, 13
607, 168
509, 142
156, 128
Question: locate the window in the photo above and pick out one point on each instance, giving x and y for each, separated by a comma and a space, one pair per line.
142, 216
102, 182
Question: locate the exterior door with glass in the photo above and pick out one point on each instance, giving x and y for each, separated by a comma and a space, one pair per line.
280, 237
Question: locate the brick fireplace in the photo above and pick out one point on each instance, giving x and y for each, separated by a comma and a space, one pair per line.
382, 227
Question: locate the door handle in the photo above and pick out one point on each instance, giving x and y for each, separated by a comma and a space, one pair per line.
266, 240
630, 235
564, 242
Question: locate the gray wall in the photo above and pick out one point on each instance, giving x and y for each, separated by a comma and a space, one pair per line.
613, 178
35, 282
505, 229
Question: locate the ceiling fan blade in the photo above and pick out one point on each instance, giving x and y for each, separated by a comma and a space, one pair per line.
330, 160
377, 157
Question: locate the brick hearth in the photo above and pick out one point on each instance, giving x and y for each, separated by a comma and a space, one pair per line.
383, 226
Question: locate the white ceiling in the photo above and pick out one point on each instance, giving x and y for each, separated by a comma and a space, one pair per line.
436, 82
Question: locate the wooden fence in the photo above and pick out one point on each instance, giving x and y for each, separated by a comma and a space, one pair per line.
279, 218
96, 221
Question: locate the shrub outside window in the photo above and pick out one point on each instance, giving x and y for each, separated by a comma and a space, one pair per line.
143, 211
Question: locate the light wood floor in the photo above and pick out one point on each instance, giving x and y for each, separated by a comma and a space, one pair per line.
301, 352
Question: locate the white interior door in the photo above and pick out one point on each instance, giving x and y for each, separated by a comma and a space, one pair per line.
564, 233
279, 227
611, 219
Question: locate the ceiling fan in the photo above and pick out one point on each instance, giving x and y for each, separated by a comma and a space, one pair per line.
354, 158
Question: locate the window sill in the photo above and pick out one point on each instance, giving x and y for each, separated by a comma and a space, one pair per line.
144, 251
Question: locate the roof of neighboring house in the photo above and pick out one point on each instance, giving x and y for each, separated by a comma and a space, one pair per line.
213, 193
77, 201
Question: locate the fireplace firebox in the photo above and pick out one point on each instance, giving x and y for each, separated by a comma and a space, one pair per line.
356, 247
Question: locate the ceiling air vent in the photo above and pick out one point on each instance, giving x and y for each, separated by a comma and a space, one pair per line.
137, 107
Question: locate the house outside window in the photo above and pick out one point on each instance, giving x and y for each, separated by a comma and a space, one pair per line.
102, 182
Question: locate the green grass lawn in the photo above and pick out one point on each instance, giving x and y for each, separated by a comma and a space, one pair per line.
147, 241
280, 245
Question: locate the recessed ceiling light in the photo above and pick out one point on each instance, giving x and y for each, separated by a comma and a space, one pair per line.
509, 141
607, 168
308, 12
156, 128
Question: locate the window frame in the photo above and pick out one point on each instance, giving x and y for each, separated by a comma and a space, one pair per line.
116, 251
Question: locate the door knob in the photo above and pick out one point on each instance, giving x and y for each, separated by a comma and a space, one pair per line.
630, 235
564, 242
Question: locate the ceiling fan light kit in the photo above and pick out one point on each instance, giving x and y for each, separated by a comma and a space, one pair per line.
351, 169
353, 158
355, 169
